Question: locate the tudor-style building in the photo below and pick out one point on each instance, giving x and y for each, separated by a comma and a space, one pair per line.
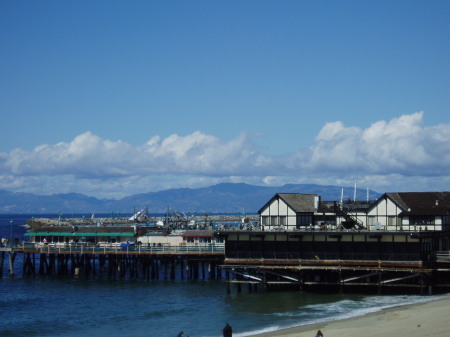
289, 211
401, 240
402, 211
410, 211
296, 211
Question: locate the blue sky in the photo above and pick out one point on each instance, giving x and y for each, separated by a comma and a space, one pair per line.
112, 98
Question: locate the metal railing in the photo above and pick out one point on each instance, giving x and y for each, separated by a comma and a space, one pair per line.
443, 255
184, 249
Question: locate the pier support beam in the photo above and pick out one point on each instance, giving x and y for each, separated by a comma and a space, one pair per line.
12, 257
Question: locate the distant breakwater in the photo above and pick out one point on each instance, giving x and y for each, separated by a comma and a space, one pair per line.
45, 222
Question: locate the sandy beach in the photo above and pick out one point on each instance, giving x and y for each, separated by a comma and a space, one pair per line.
418, 320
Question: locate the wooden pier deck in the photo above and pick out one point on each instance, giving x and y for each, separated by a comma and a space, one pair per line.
375, 276
382, 261
185, 249
111, 260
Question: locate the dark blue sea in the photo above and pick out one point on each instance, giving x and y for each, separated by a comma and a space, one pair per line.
54, 306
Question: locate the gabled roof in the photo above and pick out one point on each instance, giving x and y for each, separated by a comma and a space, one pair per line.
298, 202
199, 233
421, 203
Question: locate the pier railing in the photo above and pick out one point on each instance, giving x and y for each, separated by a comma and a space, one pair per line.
443, 255
164, 249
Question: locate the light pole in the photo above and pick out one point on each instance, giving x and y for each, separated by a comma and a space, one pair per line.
11, 241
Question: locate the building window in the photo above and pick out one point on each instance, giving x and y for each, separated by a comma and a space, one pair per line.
274, 221
391, 220
421, 220
265, 220
282, 221
304, 220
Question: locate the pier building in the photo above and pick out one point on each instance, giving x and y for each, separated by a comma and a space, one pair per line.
399, 241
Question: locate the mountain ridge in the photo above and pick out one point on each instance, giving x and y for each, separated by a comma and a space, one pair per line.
224, 197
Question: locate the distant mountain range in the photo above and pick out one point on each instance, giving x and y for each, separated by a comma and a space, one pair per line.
221, 198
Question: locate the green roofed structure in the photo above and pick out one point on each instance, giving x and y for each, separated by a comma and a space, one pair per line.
89, 234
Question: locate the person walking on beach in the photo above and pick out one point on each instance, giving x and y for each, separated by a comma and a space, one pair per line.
319, 334
227, 331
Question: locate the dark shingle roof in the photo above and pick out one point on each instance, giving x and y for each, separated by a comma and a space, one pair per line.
198, 233
300, 203
423, 203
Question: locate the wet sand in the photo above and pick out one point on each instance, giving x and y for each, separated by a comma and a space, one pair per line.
417, 320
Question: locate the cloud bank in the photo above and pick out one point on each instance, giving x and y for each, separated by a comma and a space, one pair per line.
401, 154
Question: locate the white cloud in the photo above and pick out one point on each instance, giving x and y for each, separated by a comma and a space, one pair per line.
401, 146
89, 156
400, 153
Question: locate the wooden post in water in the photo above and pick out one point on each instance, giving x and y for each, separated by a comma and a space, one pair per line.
196, 271
2, 258
165, 269
51, 265
12, 257
155, 270
42, 262
182, 268
172, 269
379, 283
341, 285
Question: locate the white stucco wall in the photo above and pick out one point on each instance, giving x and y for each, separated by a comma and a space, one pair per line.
385, 213
278, 208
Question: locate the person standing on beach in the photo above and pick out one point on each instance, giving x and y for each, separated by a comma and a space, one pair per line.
319, 334
227, 331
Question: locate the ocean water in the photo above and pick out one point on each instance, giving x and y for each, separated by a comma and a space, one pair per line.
70, 306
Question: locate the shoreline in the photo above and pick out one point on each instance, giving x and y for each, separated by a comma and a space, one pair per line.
412, 320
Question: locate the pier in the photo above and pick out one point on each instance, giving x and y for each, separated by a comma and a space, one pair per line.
338, 261
115, 261
400, 243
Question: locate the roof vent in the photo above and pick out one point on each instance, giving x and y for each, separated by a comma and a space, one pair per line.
437, 202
